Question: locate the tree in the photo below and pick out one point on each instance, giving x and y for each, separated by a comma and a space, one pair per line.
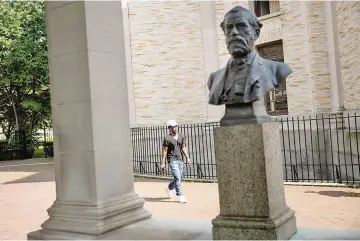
24, 81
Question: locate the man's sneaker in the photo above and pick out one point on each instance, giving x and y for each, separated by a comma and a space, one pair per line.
168, 192
182, 199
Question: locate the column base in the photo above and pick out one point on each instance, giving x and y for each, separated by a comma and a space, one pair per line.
74, 221
282, 227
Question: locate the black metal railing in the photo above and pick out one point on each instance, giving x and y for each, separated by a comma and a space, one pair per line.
47, 142
16, 148
321, 149
324, 148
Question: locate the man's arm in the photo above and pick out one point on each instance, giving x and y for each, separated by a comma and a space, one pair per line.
164, 153
184, 149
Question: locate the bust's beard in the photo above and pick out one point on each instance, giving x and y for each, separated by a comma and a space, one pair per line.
239, 52
241, 48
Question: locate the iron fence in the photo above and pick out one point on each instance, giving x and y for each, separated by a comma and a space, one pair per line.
48, 142
17, 148
324, 148
321, 149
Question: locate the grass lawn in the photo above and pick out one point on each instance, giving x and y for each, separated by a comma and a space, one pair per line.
39, 153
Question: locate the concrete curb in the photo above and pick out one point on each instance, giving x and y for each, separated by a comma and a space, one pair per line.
317, 184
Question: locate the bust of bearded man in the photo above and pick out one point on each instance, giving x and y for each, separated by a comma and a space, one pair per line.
242, 84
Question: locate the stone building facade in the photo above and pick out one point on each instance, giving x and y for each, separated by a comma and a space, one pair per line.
173, 46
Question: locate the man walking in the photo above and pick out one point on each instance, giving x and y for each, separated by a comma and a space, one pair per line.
173, 146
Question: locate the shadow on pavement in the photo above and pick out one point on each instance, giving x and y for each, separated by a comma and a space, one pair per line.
37, 177
159, 199
144, 179
42, 172
336, 193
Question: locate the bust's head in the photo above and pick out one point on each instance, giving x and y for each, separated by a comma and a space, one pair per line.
241, 28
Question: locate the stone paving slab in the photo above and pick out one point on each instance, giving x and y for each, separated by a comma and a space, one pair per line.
26, 191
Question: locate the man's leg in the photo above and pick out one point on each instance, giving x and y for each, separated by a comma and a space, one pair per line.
171, 185
181, 168
175, 169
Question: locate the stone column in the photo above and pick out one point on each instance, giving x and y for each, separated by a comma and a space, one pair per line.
250, 182
93, 165
337, 92
211, 52
129, 69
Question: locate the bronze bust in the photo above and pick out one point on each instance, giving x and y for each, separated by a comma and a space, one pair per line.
242, 84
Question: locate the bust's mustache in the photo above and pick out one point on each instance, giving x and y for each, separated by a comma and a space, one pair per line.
238, 39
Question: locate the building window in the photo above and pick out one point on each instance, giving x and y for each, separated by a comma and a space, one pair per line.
276, 99
262, 8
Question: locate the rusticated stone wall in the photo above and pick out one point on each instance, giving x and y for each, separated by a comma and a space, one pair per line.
319, 75
167, 61
295, 45
305, 50
348, 18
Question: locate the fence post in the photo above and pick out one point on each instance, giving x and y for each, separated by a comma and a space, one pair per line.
294, 174
338, 174
199, 173
142, 170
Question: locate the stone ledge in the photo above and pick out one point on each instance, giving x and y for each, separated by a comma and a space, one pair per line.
271, 15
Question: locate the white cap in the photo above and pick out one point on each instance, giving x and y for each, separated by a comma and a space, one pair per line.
171, 123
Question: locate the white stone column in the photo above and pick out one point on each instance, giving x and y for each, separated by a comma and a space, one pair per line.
337, 92
211, 52
129, 69
93, 164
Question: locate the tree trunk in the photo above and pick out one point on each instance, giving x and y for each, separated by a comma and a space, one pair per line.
17, 126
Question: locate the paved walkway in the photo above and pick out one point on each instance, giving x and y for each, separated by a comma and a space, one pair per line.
27, 189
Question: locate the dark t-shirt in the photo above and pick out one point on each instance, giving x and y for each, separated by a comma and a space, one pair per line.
174, 147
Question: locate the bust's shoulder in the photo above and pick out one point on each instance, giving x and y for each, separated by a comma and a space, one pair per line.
274, 64
217, 72
279, 69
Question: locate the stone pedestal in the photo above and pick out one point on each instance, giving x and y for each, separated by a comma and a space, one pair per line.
251, 188
90, 113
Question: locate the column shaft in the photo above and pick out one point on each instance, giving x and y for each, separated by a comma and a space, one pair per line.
93, 161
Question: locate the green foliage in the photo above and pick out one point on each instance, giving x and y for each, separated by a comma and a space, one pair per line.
24, 80
39, 153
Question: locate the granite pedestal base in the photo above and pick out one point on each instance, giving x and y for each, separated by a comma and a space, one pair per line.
251, 186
